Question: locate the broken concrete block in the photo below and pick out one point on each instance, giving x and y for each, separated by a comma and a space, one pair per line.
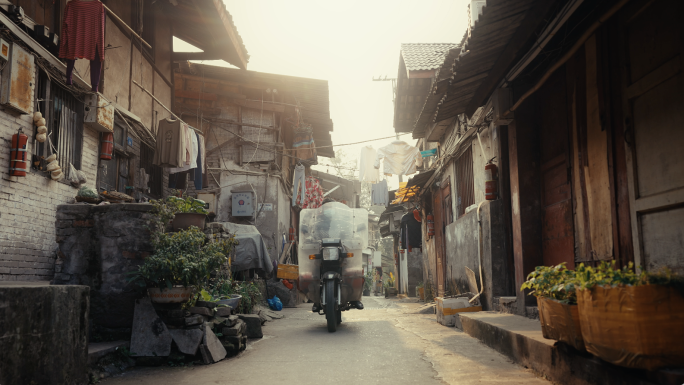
207, 304
223, 311
253, 325
149, 335
201, 310
231, 320
264, 318
243, 343
194, 320
187, 340
214, 350
235, 340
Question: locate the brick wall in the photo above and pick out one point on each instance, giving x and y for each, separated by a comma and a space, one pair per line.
28, 204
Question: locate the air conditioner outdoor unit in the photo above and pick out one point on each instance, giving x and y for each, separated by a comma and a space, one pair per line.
18, 80
99, 113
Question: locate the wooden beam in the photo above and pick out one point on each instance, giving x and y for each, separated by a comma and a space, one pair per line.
228, 121
257, 105
185, 56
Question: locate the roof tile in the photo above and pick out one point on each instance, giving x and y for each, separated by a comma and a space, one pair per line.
425, 56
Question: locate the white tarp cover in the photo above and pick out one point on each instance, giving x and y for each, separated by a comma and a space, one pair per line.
251, 252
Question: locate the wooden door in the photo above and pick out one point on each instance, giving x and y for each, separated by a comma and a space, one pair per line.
654, 103
440, 249
558, 241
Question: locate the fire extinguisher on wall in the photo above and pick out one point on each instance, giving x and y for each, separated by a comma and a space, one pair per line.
18, 162
491, 181
430, 225
107, 146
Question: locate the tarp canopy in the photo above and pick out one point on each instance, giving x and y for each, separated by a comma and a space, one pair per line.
251, 252
404, 193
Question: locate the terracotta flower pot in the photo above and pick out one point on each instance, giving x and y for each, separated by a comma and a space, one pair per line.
183, 221
176, 294
560, 322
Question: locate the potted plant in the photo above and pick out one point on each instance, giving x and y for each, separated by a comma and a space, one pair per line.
390, 290
632, 319
367, 283
554, 287
182, 263
189, 212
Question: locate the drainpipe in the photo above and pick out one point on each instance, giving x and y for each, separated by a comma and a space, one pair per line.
479, 253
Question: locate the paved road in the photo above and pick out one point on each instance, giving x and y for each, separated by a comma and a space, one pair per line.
387, 343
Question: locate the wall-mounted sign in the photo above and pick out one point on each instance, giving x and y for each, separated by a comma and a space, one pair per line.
427, 153
129, 140
242, 204
265, 207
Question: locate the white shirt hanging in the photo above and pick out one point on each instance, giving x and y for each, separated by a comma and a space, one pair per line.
368, 173
400, 158
193, 155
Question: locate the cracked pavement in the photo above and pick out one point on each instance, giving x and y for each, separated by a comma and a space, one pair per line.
386, 343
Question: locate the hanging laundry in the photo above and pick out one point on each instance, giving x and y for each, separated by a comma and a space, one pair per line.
400, 158
199, 169
82, 37
304, 146
412, 236
368, 173
313, 195
192, 150
170, 150
380, 193
299, 184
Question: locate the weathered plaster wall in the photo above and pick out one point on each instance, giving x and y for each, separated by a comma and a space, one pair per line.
462, 251
414, 263
117, 74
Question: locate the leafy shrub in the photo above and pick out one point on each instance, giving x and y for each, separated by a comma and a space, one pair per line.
606, 274
555, 282
183, 258
165, 209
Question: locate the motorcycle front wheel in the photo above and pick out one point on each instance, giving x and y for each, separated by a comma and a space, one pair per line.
330, 302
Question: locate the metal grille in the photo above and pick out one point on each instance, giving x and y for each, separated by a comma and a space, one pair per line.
155, 172
464, 181
65, 128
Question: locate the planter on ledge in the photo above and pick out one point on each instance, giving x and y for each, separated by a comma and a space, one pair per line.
176, 294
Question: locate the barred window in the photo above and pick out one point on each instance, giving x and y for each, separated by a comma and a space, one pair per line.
63, 115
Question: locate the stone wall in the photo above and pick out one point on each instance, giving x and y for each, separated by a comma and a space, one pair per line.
44, 334
98, 246
27, 205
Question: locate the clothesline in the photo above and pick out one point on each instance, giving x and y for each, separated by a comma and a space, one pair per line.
364, 141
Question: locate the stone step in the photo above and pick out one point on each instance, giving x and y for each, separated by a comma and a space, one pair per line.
520, 338
97, 350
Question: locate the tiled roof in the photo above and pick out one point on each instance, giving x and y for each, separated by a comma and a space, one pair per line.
425, 56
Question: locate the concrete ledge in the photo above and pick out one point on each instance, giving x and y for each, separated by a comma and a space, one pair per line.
521, 339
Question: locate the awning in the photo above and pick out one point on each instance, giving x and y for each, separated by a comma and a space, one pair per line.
404, 193
420, 179
488, 51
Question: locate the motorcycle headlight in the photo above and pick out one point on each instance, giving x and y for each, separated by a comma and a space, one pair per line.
331, 254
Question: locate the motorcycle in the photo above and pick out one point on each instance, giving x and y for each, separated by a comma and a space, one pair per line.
331, 241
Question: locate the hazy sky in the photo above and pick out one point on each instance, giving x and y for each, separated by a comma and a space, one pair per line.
347, 43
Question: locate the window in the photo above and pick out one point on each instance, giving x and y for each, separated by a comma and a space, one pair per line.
63, 115
464, 179
154, 171
115, 173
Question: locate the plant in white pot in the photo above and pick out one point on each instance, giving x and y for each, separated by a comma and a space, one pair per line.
182, 263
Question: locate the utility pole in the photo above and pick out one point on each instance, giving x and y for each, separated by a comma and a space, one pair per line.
394, 100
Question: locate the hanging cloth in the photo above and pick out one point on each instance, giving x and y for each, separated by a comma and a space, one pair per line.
170, 150
304, 146
192, 149
380, 193
368, 173
313, 195
83, 31
400, 158
199, 169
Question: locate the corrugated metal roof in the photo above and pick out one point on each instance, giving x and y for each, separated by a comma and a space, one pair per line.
425, 56
486, 48
208, 25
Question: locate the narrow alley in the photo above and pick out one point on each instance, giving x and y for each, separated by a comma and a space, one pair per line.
386, 343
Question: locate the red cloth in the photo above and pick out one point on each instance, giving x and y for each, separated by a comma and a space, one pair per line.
82, 30
313, 196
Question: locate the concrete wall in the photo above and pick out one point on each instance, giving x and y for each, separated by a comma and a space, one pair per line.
271, 224
414, 264
44, 334
98, 246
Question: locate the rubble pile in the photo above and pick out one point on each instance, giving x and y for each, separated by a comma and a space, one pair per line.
205, 332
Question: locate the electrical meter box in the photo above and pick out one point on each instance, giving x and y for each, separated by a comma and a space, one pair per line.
18, 80
243, 203
99, 113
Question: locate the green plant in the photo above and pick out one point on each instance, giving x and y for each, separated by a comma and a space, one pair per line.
188, 205
251, 295
389, 281
368, 280
420, 285
555, 282
183, 258
606, 274
165, 209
